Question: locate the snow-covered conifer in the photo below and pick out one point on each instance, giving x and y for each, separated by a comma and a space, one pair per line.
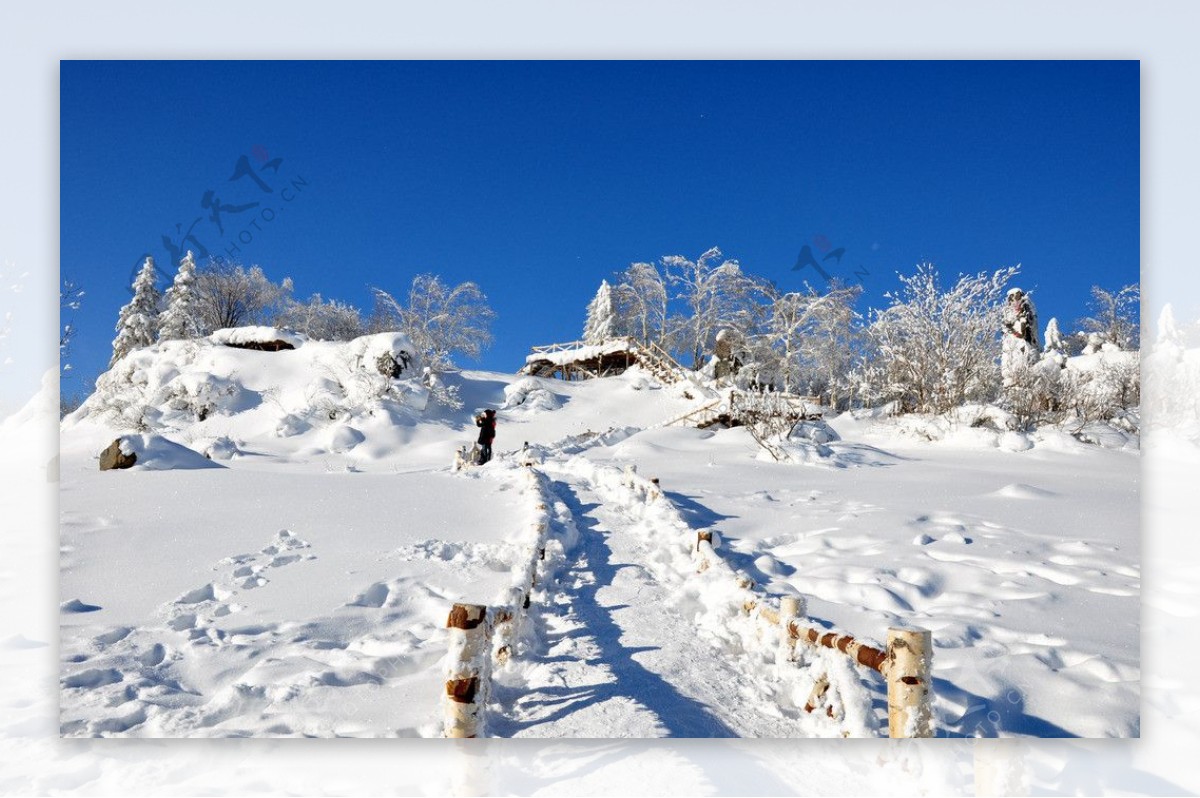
137, 324
603, 321
179, 319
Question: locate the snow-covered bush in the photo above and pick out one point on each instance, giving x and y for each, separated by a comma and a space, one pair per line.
322, 320
1101, 386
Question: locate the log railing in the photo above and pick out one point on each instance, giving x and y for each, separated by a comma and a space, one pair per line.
479, 637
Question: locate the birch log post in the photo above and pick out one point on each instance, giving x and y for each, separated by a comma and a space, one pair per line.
909, 651
790, 609
468, 670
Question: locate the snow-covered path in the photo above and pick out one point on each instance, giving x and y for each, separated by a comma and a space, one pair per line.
611, 651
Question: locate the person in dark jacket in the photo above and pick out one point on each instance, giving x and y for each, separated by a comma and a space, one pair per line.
487, 434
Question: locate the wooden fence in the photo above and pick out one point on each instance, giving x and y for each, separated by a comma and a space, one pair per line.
479, 636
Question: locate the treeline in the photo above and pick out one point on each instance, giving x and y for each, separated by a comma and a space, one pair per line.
934, 347
441, 320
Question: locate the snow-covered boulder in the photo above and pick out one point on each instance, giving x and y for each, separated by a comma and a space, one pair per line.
150, 452
267, 339
529, 394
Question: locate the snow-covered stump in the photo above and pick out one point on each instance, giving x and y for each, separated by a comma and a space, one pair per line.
468, 670
907, 671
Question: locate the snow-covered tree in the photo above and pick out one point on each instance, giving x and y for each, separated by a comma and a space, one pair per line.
179, 319
717, 295
230, 295
1114, 319
322, 320
137, 323
934, 349
603, 318
643, 301
441, 320
806, 342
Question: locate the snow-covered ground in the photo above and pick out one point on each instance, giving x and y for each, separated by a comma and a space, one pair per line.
300, 586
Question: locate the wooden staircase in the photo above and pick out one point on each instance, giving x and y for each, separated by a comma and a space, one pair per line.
654, 359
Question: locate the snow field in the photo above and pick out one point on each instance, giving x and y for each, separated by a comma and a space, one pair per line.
1022, 560
299, 636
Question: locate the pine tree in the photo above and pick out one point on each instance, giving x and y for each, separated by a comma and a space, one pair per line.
179, 319
137, 324
603, 322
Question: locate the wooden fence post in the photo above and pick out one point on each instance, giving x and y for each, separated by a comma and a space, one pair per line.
791, 608
907, 671
468, 670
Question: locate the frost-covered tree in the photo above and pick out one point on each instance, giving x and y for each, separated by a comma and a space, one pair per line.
1115, 318
717, 295
643, 301
832, 345
603, 318
807, 342
440, 319
230, 295
179, 318
137, 323
321, 319
934, 349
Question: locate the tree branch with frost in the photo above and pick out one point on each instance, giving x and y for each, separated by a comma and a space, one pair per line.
70, 299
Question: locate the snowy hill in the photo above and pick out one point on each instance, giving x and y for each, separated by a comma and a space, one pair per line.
301, 588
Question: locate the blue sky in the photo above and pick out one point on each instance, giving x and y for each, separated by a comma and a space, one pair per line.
539, 179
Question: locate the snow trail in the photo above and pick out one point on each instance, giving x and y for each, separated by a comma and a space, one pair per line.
611, 648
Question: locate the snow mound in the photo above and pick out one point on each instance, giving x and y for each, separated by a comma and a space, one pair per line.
205, 392
815, 431
222, 448
529, 394
343, 438
156, 453
1019, 490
